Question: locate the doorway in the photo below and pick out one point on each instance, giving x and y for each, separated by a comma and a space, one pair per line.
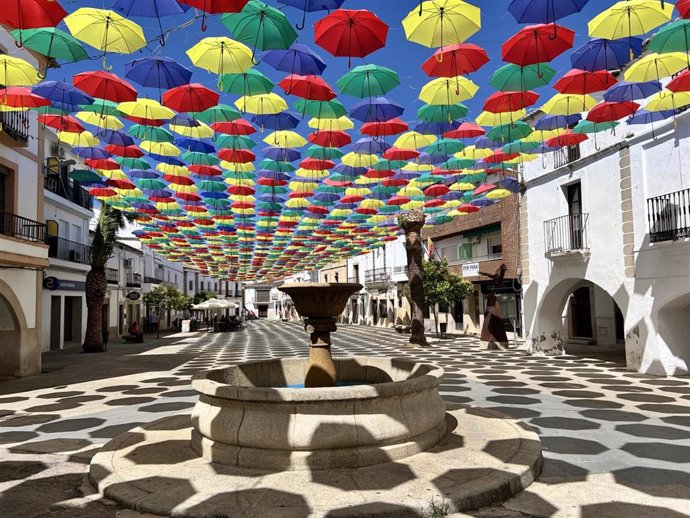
581, 314
55, 321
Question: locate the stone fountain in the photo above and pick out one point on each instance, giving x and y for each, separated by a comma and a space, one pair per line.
341, 427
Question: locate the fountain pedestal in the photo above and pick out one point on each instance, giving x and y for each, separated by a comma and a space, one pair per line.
320, 304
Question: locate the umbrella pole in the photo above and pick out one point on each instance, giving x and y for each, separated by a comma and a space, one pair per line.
298, 26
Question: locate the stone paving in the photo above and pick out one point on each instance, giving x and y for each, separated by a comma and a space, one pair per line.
615, 443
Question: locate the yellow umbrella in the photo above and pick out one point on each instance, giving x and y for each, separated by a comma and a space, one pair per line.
654, 66
462, 186
543, 135
498, 194
201, 131
286, 139
412, 205
665, 100
105, 30
262, 104
172, 169
630, 18
568, 104
413, 140
341, 124
236, 167
83, 139
160, 148
114, 174
371, 204
410, 191
312, 173
146, 109
296, 203
448, 90
302, 186
442, 22
416, 166
17, 72
363, 180
221, 55
359, 160
100, 121
473, 153
244, 182
497, 119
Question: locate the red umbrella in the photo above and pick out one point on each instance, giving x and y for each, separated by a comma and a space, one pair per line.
236, 127
681, 83
31, 14
395, 153
376, 173
270, 182
124, 151
240, 156
537, 44
500, 102
205, 170
316, 164
394, 182
383, 128
584, 82
467, 208
187, 196
121, 184
309, 87
105, 164
61, 123
500, 156
351, 33
144, 122
215, 7
398, 200
610, 111
21, 97
351, 198
337, 183
683, 7
105, 86
436, 190
434, 203
330, 138
105, 192
465, 130
178, 180
567, 139
484, 188
242, 190
190, 98
455, 60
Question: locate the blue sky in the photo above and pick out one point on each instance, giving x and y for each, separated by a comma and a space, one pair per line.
403, 56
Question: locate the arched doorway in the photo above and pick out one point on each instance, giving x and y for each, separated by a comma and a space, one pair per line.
673, 325
10, 339
579, 317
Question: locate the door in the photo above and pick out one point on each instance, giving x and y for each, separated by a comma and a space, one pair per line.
67, 323
459, 316
355, 312
581, 313
574, 195
55, 321
620, 324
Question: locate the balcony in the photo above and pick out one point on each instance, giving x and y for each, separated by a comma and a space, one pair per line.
67, 189
15, 125
567, 237
112, 275
477, 259
669, 216
153, 280
133, 280
68, 250
377, 279
22, 228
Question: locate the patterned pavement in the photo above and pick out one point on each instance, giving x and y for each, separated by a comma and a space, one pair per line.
615, 443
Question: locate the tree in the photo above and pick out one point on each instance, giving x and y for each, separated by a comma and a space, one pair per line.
202, 297
442, 287
110, 221
412, 222
166, 298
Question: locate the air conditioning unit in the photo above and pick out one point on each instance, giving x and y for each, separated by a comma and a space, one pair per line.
129, 263
57, 151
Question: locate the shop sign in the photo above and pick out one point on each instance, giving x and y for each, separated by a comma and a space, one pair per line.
53, 283
133, 295
470, 270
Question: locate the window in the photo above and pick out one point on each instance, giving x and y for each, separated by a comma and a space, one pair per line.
494, 246
336, 277
4, 188
465, 252
191, 285
356, 268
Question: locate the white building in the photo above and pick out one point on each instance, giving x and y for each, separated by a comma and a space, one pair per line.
23, 251
67, 213
606, 248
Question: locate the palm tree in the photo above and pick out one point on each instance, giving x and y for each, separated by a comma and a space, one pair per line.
110, 220
412, 222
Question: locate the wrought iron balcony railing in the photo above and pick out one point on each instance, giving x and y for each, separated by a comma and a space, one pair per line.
69, 190
133, 280
377, 275
566, 234
22, 228
112, 275
15, 125
68, 250
669, 216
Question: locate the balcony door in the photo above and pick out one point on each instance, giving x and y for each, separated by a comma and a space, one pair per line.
574, 197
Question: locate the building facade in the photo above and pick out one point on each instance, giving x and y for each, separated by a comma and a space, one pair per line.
606, 246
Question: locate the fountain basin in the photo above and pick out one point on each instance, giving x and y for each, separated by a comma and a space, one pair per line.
246, 416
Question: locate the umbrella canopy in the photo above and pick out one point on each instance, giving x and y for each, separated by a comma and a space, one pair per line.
104, 86
31, 14
260, 26
215, 7
446, 90
351, 33
455, 60
442, 22
537, 44
603, 54
656, 66
17, 72
105, 30
298, 59
221, 55
629, 18
368, 81
584, 82
544, 11
190, 98
51, 42
626, 91
513, 77
157, 72
612, 111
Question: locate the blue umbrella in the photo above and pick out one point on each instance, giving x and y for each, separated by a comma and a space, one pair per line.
277, 121
624, 91
552, 122
184, 120
510, 183
436, 128
601, 54
93, 153
150, 9
272, 175
198, 146
143, 174
157, 72
376, 109
298, 59
348, 170
311, 6
325, 197
481, 202
114, 137
544, 11
369, 146
167, 159
60, 93
280, 154
647, 117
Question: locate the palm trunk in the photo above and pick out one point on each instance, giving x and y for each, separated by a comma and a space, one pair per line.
96, 286
412, 223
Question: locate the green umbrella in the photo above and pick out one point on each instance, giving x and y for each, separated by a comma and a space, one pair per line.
151, 183
51, 42
212, 186
585, 126
132, 163
238, 175
260, 26
445, 147
152, 133
332, 109
323, 153
235, 142
278, 166
219, 113
442, 112
674, 37
512, 77
509, 132
197, 158
271, 189
520, 147
252, 82
84, 176
50, 110
388, 165
368, 81
102, 107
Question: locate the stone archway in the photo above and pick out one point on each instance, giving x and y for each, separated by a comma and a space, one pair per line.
12, 329
576, 312
673, 326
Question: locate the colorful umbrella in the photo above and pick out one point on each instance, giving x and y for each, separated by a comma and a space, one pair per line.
260, 26
51, 42
307, 87
448, 90
368, 81
311, 6
221, 55
442, 22
568, 104
656, 66
629, 18
31, 14
611, 111
215, 7
674, 37
17, 72
544, 11
584, 82
376, 109
512, 77
190, 98
298, 59
351, 33
537, 44
602, 54
151, 9
157, 72
455, 60
626, 91
105, 86
499, 102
